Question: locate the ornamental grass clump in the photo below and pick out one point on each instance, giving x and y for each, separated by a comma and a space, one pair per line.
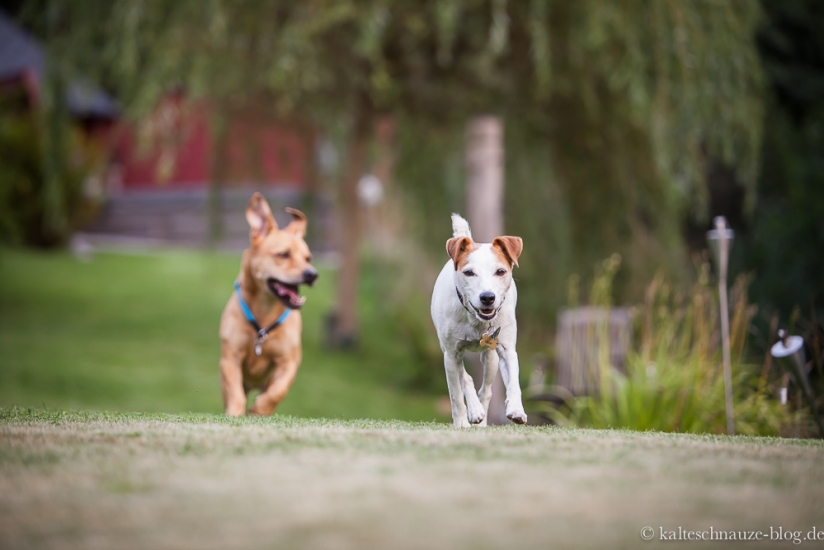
672, 379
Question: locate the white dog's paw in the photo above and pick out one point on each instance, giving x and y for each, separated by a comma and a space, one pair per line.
516, 413
474, 410
476, 416
517, 417
461, 423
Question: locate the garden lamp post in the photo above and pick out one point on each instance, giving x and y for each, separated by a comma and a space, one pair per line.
789, 353
720, 241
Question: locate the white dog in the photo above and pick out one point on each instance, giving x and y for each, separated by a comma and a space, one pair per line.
473, 308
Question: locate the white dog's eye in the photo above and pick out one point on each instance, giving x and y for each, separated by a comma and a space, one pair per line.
469, 273
500, 272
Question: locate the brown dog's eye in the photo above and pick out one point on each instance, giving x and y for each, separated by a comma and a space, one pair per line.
308, 259
500, 272
284, 255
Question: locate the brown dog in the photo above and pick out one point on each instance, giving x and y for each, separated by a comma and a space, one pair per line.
261, 326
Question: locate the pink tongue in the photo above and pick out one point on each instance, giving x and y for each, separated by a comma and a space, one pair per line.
282, 291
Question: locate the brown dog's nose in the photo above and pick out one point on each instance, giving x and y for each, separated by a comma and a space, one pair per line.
309, 276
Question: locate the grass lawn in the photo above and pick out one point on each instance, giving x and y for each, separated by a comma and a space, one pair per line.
115, 480
140, 333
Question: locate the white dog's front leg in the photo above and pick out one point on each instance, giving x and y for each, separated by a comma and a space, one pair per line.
453, 363
475, 412
510, 372
489, 359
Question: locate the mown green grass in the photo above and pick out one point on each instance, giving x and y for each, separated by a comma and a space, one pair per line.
81, 479
139, 333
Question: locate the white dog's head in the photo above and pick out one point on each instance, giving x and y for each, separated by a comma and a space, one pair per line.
483, 271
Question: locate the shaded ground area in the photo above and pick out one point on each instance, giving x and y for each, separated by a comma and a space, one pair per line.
106, 480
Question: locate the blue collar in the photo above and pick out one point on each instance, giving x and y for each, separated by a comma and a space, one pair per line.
261, 332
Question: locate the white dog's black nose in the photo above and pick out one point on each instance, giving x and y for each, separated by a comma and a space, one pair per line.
487, 298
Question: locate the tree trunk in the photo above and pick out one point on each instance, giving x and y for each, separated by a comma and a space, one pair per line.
485, 183
383, 218
345, 329
218, 174
54, 132
485, 193
312, 187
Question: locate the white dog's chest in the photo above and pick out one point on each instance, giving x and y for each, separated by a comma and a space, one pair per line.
471, 345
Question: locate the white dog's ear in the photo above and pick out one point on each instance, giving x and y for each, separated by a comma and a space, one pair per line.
298, 223
259, 216
511, 247
458, 247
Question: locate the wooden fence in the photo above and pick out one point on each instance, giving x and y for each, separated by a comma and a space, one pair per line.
587, 338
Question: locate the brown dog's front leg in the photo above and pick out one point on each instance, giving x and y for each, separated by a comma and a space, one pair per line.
231, 383
282, 379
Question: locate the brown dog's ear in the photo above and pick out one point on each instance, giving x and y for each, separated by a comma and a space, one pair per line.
511, 247
259, 216
298, 223
457, 247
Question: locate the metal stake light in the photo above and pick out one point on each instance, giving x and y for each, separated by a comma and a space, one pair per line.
720, 240
789, 353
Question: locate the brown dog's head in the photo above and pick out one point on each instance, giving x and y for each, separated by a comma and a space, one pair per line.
279, 260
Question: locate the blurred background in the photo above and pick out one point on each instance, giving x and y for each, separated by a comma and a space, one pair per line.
606, 134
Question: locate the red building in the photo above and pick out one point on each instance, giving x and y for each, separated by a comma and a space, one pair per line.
176, 149
153, 178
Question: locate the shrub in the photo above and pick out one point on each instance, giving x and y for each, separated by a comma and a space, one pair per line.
673, 379
33, 213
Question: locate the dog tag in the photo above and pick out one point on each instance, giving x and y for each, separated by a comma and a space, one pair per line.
262, 337
490, 341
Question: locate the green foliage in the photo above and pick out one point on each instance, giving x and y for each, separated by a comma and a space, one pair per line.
429, 172
668, 396
784, 241
673, 381
304, 59
36, 210
611, 109
405, 307
140, 333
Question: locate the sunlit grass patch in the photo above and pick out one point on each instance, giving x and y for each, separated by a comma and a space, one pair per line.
140, 333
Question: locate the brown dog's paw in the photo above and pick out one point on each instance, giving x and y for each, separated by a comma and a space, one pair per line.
235, 411
252, 411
